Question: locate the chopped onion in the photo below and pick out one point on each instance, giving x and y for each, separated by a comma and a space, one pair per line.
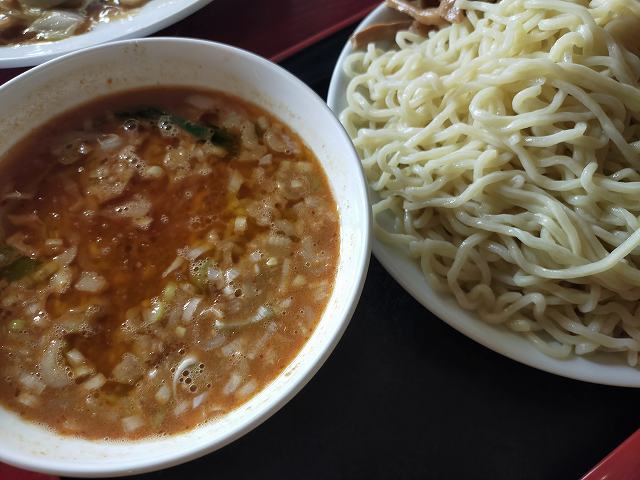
286, 303
137, 207
66, 257
307, 251
61, 280
274, 140
182, 366
322, 291
240, 224
216, 342
189, 309
156, 312
214, 274
95, 382
16, 195
153, 171
181, 408
266, 160
232, 347
143, 223
27, 220
286, 227
28, 399
235, 181
75, 357
263, 122
286, 268
232, 385
177, 263
255, 256
262, 313
109, 142
278, 241
259, 344
194, 253
54, 242
247, 389
129, 370
51, 367
272, 262
231, 274
298, 281
304, 167
132, 423
163, 395
91, 282
214, 310
197, 401
83, 371
32, 383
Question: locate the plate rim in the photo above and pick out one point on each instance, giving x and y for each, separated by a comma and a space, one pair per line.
28, 55
597, 368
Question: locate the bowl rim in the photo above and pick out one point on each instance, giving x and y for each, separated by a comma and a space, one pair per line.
305, 370
598, 368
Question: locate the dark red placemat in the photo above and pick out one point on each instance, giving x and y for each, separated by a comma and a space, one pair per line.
10, 473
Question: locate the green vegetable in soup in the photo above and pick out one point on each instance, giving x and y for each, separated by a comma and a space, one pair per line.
17, 325
8, 255
14, 265
199, 274
211, 133
20, 268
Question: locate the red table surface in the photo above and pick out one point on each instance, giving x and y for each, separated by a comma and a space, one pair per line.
275, 29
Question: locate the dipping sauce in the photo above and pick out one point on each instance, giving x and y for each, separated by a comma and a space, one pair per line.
164, 254
29, 21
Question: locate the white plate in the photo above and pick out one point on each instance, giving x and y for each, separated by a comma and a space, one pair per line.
600, 368
154, 16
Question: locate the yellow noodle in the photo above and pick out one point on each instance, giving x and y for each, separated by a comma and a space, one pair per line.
505, 153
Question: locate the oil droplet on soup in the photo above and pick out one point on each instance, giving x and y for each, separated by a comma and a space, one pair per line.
164, 254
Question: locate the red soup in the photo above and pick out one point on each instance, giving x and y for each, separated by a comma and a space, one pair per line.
164, 254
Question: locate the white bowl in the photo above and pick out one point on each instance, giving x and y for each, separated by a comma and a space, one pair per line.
153, 16
36, 96
603, 368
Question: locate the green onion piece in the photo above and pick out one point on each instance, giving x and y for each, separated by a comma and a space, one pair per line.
196, 130
158, 310
41, 273
16, 325
169, 292
204, 133
199, 274
8, 255
21, 267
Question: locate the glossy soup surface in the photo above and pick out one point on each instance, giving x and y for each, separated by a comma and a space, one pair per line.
164, 255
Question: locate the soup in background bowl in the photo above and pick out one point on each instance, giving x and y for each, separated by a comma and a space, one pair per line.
167, 389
